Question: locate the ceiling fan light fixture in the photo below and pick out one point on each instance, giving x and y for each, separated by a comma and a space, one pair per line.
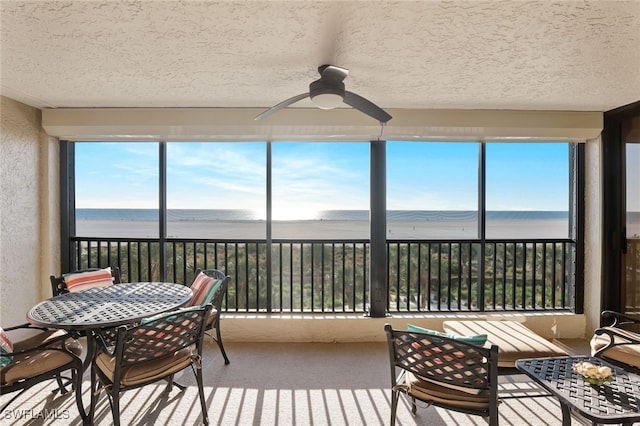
327, 100
328, 92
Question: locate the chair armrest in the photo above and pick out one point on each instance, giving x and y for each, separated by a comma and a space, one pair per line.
50, 344
618, 319
106, 340
617, 337
26, 326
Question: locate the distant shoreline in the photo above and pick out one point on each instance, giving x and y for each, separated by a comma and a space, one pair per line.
324, 229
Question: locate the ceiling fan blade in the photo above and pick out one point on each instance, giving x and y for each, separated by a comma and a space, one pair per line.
333, 73
366, 106
281, 105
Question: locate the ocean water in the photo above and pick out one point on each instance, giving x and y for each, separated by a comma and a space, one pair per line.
179, 215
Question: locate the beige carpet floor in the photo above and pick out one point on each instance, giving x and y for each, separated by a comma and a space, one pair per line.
281, 384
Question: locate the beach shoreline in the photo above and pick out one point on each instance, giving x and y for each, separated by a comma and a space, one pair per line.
325, 229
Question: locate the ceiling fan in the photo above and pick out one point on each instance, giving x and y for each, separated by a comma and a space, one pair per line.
328, 92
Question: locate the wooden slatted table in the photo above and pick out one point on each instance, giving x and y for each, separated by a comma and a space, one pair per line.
617, 401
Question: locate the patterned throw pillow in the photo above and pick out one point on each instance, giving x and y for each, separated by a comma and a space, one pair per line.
5, 347
90, 279
475, 339
203, 288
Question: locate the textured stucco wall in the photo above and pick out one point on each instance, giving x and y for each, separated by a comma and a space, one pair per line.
593, 233
26, 227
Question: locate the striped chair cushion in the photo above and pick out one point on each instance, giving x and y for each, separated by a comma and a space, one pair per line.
203, 288
90, 279
6, 346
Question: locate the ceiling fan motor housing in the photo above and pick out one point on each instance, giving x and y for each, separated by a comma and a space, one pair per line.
325, 94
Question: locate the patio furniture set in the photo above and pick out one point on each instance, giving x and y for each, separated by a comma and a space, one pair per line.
140, 333
458, 370
136, 333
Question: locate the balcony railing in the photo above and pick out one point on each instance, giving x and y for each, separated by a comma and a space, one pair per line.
332, 276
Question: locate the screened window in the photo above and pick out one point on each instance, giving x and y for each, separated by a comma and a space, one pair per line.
633, 189
432, 190
527, 190
320, 190
216, 190
116, 189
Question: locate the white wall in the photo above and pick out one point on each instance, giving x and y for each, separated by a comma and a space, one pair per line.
29, 237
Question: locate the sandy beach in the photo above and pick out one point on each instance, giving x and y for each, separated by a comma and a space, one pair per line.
324, 229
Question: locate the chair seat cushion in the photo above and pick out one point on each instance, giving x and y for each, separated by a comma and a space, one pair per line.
30, 365
431, 391
626, 354
145, 372
514, 340
34, 363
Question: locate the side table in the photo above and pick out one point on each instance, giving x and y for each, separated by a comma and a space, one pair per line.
617, 401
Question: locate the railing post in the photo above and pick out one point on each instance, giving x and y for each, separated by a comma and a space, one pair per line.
378, 226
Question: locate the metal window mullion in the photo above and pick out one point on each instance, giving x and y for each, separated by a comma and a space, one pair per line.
162, 201
482, 224
269, 231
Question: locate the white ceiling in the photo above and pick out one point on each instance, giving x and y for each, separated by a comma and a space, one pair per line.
535, 55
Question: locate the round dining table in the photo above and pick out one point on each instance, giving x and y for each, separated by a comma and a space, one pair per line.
89, 311
108, 306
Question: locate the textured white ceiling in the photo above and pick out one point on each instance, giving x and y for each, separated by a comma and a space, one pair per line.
541, 55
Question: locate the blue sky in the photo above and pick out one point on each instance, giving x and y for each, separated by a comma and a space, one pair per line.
321, 176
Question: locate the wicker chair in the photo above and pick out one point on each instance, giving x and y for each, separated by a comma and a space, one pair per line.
44, 356
618, 342
58, 285
151, 351
214, 319
444, 372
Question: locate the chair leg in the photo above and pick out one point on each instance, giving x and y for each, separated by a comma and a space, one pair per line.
220, 345
203, 402
414, 406
62, 388
94, 397
394, 406
115, 406
172, 382
77, 385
